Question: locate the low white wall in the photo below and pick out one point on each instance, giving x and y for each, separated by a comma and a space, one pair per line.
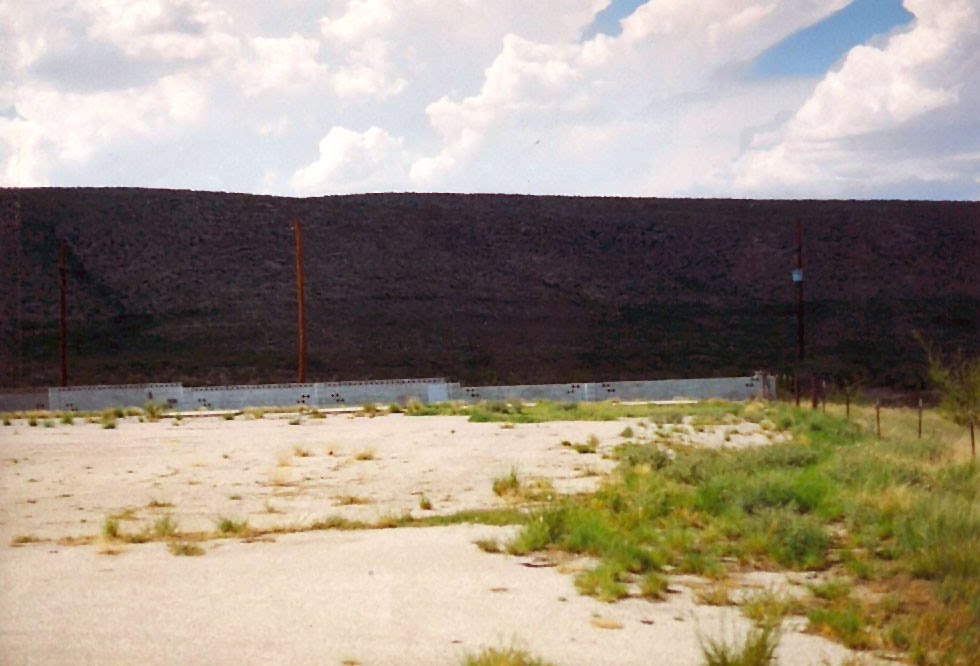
332, 394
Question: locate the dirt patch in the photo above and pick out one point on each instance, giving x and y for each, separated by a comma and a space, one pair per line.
396, 596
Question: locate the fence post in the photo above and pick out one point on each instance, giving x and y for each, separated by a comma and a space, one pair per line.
878, 418
920, 418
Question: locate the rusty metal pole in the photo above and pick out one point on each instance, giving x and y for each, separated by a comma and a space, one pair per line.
300, 305
63, 327
800, 337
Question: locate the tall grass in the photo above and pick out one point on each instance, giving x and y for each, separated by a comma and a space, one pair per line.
896, 513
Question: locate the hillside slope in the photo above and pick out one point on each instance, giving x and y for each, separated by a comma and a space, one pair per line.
200, 287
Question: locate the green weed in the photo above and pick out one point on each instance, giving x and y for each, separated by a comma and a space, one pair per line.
228, 527
165, 527
509, 656
507, 485
185, 549
605, 582
110, 528
758, 649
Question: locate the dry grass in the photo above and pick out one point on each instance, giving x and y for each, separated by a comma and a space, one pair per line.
509, 656
280, 477
514, 489
184, 549
351, 500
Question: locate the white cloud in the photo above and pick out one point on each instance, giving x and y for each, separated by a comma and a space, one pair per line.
859, 128
667, 50
363, 19
469, 95
280, 64
55, 127
352, 162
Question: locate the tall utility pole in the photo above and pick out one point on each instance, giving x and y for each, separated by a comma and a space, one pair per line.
298, 235
800, 338
63, 328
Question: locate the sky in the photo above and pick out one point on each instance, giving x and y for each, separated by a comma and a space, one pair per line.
787, 99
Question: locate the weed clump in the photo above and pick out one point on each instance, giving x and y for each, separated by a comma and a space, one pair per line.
511, 487
507, 485
165, 527
229, 527
152, 410
758, 649
185, 549
110, 528
510, 656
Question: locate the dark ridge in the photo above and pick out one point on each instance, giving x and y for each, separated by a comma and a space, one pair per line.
199, 287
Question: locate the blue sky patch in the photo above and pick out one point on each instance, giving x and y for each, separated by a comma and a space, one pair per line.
607, 21
814, 50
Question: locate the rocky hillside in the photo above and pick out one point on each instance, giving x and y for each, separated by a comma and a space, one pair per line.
200, 287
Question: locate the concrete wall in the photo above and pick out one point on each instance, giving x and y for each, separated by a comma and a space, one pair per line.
726, 388
320, 394
91, 398
324, 394
382, 392
23, 400
528, 392
177, 396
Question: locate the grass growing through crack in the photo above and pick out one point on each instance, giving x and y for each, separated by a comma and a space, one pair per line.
350, 500
110, 528
185, 549
591, 445
506, 485
898, 516
229, 527
165, 527
509, 656
512, 488
758, 648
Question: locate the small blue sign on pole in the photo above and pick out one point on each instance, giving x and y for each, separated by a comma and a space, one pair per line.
797, 275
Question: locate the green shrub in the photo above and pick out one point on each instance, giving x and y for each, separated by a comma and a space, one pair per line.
758, 649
